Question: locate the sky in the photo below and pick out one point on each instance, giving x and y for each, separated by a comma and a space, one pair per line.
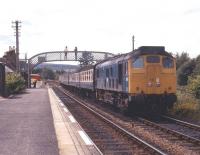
101, 25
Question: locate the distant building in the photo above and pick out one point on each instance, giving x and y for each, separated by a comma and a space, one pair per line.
8, 70
9, 58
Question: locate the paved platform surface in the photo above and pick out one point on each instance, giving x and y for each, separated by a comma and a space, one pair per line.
26, 125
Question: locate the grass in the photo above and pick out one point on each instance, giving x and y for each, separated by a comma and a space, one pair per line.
187, 106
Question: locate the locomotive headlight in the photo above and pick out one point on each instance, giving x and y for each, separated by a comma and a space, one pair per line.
157, 82
149, 84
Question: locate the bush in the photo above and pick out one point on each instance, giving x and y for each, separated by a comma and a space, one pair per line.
194, 85
186, 110
187, 106
14, 83
185, 71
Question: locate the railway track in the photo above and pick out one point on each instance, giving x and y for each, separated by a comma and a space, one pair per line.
110, 137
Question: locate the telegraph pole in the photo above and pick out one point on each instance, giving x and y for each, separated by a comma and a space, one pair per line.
16, 25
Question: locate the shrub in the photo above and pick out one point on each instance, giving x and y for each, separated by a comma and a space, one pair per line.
185, 71
14, 83
186, 110
194, 85
187, 106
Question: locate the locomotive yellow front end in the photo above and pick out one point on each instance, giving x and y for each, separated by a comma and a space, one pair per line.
152, 79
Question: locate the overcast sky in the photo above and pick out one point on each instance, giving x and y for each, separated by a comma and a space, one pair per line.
101, 25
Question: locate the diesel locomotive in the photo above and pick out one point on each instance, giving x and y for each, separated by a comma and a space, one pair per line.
143, 80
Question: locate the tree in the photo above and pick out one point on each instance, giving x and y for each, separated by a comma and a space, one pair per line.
184, 71
86, 59
194, 85
197, 67
181, 59
37, 71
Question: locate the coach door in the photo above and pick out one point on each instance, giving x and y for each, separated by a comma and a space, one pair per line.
2, 79
125, 77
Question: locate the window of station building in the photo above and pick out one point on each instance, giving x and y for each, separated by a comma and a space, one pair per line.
138, 63
153, 59
167, 62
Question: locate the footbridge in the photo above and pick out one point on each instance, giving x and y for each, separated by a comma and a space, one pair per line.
64, 56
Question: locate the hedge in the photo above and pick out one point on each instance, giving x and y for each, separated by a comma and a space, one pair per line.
14, 83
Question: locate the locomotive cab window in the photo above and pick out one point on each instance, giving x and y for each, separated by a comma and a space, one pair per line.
153, 59
138, 63
168, 62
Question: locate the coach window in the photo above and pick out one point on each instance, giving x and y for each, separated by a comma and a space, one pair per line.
126, 68
167, 62
111, 71
138, 63
107, 72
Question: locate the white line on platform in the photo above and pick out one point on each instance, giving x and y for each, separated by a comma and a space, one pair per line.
85, 138
61, 104
72, 119
65, 109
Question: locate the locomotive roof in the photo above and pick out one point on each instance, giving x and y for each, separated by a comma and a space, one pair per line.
143, 50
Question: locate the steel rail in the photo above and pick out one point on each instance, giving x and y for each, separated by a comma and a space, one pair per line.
185, 137
189, 125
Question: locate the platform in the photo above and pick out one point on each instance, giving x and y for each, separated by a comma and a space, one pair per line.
37, 123
71, 137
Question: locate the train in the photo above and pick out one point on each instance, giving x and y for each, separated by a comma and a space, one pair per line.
143, 80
